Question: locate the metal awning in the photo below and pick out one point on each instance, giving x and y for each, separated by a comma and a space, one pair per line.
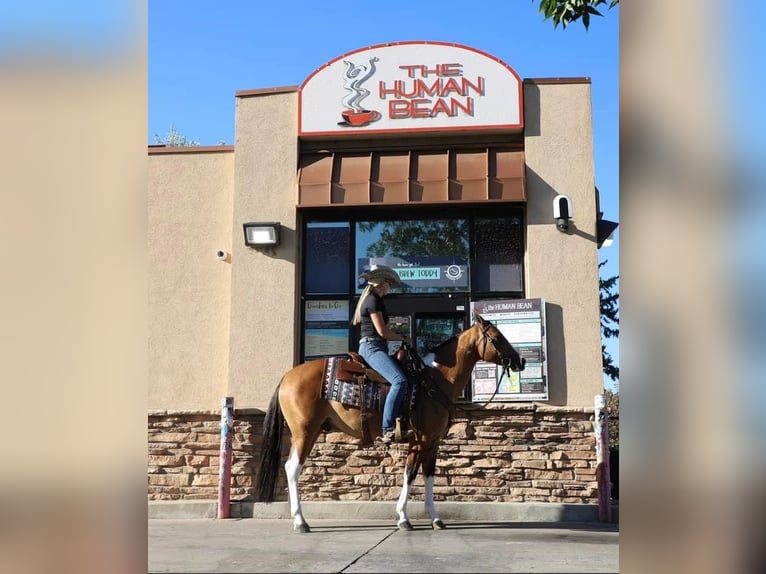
414, 177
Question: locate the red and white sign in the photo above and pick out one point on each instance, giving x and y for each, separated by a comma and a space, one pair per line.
411, 86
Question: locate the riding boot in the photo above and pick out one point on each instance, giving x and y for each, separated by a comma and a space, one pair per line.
400, 434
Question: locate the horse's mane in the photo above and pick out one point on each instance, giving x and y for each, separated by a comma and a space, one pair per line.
440, 345
453, 339
445, 342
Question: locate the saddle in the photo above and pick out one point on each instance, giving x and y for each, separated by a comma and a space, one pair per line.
352, 382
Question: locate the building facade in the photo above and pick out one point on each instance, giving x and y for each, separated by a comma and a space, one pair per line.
436, 159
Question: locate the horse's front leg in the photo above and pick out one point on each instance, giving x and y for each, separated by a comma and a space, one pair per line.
410, 472
429, 471
293, 469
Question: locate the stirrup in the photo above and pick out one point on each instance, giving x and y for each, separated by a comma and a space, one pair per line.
402, 437
386, 439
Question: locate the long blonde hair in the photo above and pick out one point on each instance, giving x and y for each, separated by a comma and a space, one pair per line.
358, 311
378, 275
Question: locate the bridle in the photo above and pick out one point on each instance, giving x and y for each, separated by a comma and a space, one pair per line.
435, 393
505, 362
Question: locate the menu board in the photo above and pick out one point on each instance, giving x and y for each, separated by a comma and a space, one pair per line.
522, 323
326, 328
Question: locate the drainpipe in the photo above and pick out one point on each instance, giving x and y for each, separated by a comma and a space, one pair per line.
224, 466
601, 426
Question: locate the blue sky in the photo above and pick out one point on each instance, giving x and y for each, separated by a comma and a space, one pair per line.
200, 54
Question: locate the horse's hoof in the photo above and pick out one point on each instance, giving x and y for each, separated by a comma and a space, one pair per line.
405, 525
302, 528
438, 524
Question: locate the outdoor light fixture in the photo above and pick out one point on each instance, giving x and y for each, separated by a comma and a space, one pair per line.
562, 212
261, 234
605, 232
604, 228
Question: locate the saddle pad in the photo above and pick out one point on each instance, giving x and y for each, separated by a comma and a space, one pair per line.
348, 392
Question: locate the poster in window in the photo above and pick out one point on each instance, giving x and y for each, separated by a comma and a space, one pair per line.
326, 328
522, 322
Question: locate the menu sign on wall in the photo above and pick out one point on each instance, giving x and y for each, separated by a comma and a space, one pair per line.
326, 328
522, 322
410, 86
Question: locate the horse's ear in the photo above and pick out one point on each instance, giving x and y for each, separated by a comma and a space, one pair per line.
478, 318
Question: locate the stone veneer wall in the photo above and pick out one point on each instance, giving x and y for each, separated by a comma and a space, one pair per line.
504, 453
184, 454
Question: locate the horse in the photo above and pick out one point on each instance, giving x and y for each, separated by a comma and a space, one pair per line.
297, 400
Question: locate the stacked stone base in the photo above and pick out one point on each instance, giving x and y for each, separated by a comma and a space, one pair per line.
499, 453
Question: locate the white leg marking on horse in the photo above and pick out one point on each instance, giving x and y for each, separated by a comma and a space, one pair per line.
293, 470
429, 497
428, 492
401, 504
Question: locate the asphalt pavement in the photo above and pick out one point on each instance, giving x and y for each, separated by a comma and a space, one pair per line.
376, 545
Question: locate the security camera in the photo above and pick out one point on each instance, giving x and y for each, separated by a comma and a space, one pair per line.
221, 255
562, 212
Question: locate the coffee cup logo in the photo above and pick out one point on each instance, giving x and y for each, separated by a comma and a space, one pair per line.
359, 118
353, 114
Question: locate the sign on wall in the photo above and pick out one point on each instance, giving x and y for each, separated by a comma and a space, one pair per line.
326, 328
412, 86
522, 322
423, 272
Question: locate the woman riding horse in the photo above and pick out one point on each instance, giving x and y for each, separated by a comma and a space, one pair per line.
298, 401
372, 317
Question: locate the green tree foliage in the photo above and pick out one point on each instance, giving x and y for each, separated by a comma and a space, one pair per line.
565, 12
610, 327
175, 139
613, 407
610, 320
419, 238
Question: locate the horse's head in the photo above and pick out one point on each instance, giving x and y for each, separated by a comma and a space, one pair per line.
496, 348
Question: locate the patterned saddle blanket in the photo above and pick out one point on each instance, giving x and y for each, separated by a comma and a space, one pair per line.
344, 380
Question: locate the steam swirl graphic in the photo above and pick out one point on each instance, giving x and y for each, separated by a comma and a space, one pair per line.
354, 77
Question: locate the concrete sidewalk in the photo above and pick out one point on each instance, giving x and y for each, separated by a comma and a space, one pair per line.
355, 538
270, 545
386, 510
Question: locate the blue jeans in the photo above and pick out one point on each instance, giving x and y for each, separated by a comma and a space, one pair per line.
375, 352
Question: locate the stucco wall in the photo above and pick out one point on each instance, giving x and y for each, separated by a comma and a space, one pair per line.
189, 215
562, 268
228, 328
263, 282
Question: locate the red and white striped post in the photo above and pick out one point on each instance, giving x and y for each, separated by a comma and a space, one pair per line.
601, 426
224, 465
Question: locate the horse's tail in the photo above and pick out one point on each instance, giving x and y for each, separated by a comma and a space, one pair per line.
271, 450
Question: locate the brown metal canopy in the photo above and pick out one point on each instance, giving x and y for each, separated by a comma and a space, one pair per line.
407, 177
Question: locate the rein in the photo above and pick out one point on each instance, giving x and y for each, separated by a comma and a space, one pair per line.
506, 363
429, 386
444, 399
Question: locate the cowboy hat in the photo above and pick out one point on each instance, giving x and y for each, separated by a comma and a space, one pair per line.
380, 273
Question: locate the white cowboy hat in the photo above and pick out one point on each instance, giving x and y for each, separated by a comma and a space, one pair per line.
381, 273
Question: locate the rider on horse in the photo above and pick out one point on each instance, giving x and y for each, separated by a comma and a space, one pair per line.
372, 316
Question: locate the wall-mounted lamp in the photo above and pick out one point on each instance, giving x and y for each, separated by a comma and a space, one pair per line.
605, 232
562, 212
261, 234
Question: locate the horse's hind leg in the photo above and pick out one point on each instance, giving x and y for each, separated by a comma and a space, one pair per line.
410, 472
429, 470
301, 446
293, 471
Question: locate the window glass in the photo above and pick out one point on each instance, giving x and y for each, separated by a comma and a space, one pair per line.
433, 331
327, 258
499, 254
430, 255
